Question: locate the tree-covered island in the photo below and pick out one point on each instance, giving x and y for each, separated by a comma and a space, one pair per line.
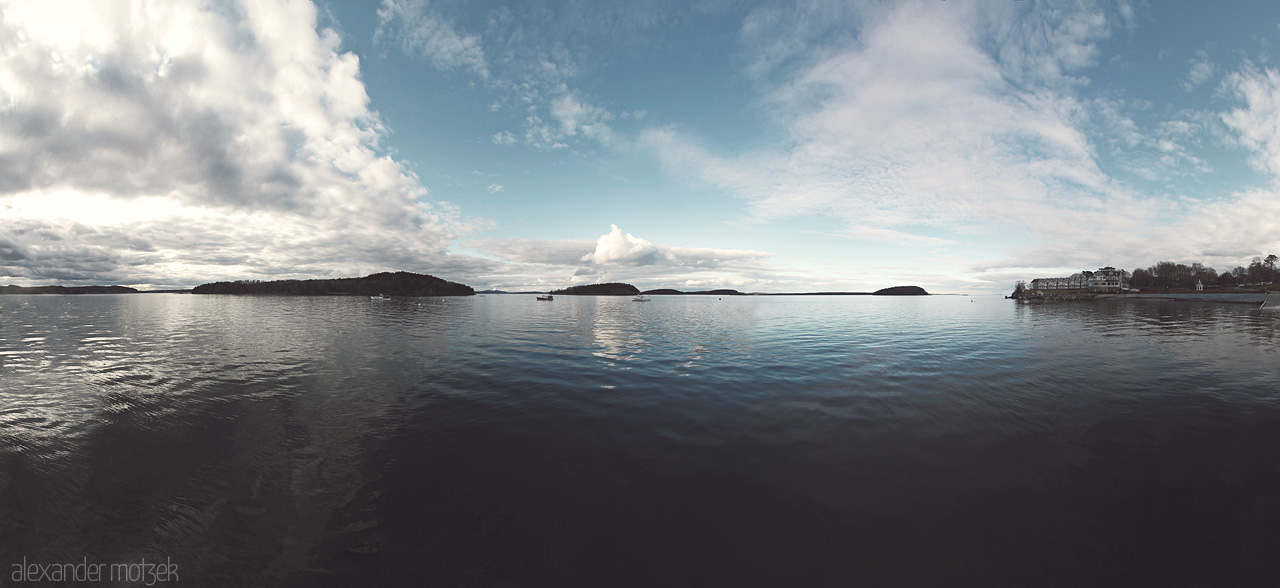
610, 289
388, 283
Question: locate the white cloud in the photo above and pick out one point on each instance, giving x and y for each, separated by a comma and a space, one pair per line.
899, 237
567, 252
1257, 123
1202, 70
534, 56
424, 33
1221, 234
227, 140
619, 256
542, 135
616, 249
505, 138
495, 188
577, 116
915, 124
1160, 153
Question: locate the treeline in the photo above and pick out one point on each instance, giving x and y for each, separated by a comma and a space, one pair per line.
11, 289
673, 292
610, 289
389, 283
1168, 274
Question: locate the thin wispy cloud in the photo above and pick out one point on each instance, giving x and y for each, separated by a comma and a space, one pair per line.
416, 29
1201, 72
916, 125
505, 138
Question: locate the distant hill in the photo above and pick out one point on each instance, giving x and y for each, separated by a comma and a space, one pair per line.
11, 289
610, 289
389, 283
901, 291
720, 292
813, 294
671, 292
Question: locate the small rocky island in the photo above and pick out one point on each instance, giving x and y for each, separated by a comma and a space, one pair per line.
610, 289
901, 291
388, 283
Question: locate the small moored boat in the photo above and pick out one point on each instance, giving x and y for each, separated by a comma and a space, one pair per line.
1272, 301
379, 297
639, 298
547, 297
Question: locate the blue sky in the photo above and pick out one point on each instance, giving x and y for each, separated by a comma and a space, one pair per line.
765, 146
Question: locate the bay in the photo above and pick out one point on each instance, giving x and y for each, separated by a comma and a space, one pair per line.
686, 441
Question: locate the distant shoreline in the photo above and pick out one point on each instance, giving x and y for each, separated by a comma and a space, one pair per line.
410, 284
68, 290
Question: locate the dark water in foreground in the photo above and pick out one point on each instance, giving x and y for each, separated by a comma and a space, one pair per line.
686, 441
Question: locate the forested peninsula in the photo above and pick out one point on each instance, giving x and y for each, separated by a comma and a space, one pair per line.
11, 289
388, 283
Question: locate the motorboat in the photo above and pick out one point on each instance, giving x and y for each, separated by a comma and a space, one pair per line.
379, 297
547, 297
640, 298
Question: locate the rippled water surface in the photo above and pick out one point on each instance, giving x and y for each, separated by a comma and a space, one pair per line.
686, 441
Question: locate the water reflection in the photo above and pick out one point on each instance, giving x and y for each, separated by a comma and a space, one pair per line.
589, 441
613, 321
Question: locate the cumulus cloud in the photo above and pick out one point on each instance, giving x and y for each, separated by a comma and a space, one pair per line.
624, 249
622, 256
543, 264
233, 138
619, 249
495, 188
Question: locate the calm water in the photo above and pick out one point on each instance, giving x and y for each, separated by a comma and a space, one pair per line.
686, 441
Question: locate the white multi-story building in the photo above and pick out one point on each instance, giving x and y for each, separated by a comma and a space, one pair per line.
1107, 279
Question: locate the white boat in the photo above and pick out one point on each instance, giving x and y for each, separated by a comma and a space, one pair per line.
640, 298
547, 297
1272, 301
379, 297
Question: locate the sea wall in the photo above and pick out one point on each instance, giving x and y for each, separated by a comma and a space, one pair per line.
1233, 298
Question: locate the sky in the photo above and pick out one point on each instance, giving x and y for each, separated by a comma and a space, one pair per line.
763, 146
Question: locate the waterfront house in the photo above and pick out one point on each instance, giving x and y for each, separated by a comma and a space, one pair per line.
1109, 279
1106, 279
